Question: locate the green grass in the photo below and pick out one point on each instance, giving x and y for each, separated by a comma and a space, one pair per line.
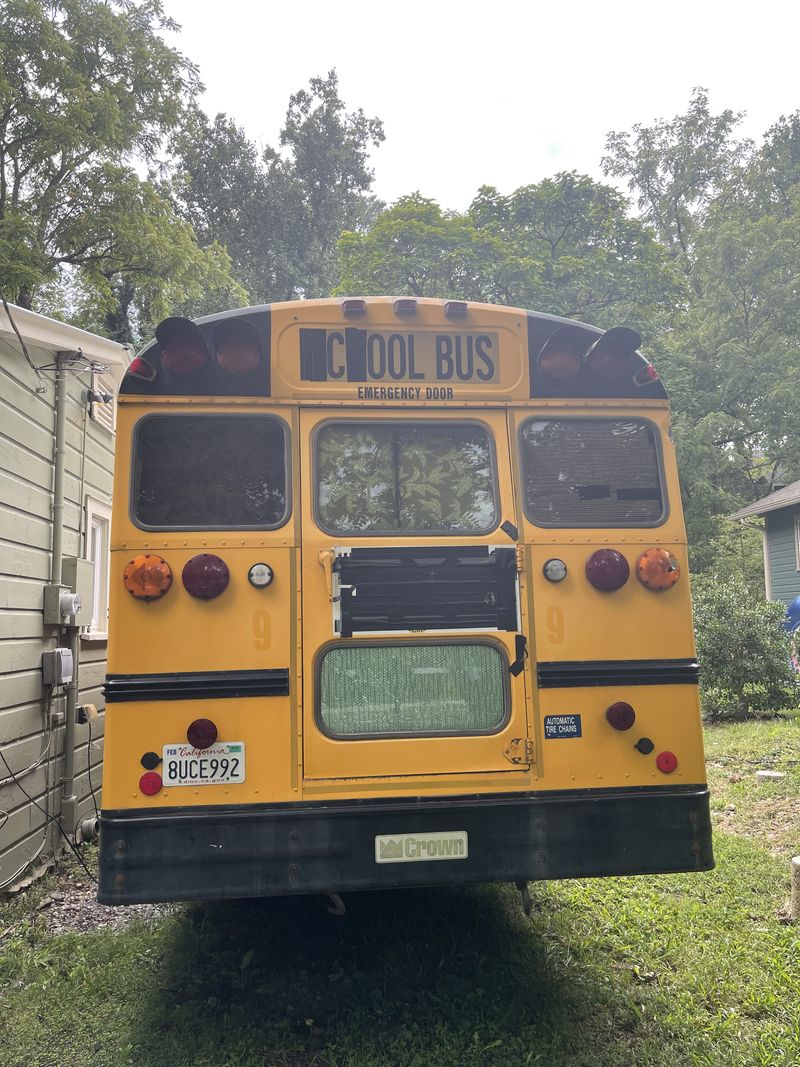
678, 970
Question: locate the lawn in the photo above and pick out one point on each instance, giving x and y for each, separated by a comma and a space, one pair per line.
678, 970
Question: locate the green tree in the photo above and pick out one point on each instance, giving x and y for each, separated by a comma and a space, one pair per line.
280, 212
565, 245
86, 88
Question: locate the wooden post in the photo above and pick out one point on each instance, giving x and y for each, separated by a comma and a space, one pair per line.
795, 905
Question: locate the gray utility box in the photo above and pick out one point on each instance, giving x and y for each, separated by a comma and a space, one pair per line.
57, 667
78, 574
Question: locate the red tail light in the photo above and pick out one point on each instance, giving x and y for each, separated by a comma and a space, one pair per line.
205, 576
621, 715
202, 733
607, 570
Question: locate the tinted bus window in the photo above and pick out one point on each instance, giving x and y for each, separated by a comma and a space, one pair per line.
592, 472
210, 472
415, 478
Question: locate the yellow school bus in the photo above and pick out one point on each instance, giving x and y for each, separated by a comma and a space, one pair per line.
399, 596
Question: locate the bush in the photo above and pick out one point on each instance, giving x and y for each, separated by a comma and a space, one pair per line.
745, 656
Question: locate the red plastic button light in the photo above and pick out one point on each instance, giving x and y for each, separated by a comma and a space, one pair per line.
205, 576
666, 762
621, 715
202, 733
607, 570
150, 783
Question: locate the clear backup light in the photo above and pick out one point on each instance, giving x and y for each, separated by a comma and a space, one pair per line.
260, 575
555, 570
205, 576
607, 570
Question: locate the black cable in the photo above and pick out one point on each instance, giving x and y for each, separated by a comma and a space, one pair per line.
49, 818
89, 768
23, 346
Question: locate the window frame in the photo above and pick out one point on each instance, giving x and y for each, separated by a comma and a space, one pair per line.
382, 423
98, 509
594, 525
473, 639
135, 469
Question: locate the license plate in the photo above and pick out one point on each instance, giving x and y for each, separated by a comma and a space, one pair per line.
221, 764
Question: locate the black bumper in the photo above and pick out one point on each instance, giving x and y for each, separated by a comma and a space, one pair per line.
273, 850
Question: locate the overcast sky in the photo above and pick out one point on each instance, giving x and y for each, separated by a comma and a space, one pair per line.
498, 92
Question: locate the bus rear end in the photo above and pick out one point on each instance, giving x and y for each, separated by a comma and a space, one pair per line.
399, 597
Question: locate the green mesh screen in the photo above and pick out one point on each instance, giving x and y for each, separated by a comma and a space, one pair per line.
412, 689
436, 477
591, 472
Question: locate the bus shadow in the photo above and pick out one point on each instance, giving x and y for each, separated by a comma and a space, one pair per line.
433, 976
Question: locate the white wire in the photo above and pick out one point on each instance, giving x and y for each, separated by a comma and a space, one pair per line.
21, 774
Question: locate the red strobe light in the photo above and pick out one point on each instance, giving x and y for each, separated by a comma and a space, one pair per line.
621, 715
183, 350
202, 733
607, 570
205, 576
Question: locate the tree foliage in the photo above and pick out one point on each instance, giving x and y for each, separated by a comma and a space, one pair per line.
744, 653
565, 245
280, 212
86, 87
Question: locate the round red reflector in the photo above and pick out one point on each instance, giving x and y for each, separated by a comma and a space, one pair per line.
621, 715
205, 576
202, 733
657, 569
666, 762
150, 783
607, 570
147, 577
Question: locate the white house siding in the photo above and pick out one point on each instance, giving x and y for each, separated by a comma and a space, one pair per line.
27, 426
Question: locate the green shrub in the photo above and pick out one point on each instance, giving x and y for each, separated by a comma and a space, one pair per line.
745, 664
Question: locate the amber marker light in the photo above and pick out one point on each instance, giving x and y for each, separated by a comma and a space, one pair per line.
657, 569
147, 577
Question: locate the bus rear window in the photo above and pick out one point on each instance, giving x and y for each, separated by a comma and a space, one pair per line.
405, 478
391, 690
592, 472
213, 472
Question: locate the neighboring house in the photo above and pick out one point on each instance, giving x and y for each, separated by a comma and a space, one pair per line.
34, 738
781, 512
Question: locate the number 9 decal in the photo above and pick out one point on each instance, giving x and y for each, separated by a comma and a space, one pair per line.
555, 625
261, 630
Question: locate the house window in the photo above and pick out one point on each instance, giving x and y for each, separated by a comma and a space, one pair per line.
797, 541
98, 550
